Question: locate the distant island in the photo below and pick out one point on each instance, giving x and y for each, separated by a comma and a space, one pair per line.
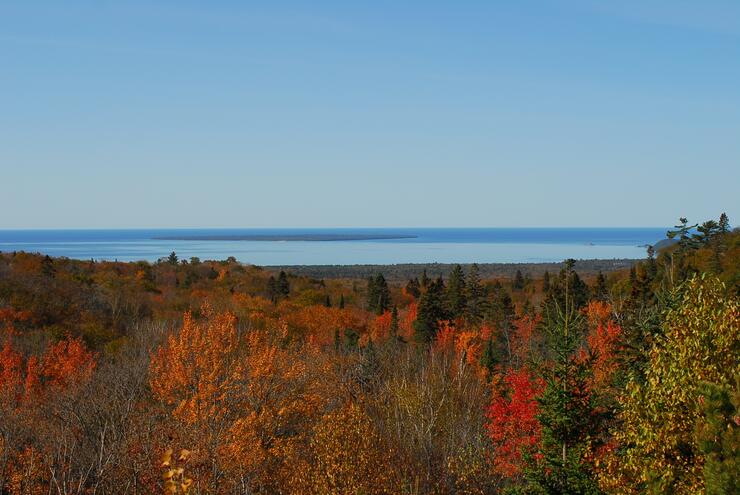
287, 237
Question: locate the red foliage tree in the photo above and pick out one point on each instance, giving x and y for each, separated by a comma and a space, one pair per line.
512, 421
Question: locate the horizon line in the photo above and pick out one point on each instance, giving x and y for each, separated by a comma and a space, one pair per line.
7, 229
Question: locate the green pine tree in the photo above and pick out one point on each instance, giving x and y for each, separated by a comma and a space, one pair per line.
369, 372
475, 296
518, 282
383, 301
456, 293
47, 267
283, 286
272, 290
372, 295
724, 224
501, 314
601, 292
430, 311
568, 415
394, 322
488, 359
718, 437
413, 287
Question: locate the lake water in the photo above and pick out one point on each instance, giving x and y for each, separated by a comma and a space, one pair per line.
482, 245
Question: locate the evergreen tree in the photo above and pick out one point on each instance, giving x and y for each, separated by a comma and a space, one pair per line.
413, 288
546, 282
569, 282
394, 322
425, 281
641, 294
272, 290
378, 295
488, 358
456, 293
567, 414
718, 437
431, 310
372, 295
651, 265
47, 267
341, 301
327, 301
706, 232
580, 290
351, 339
501, 314
369, 372
723, 224
283, 286
475, 296
600, 290
683, 233
528, 308
172, 259
518, 282
686, 243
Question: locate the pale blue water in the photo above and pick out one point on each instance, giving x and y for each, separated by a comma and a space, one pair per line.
489, 245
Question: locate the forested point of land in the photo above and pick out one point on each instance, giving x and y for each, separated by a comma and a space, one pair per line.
214, 377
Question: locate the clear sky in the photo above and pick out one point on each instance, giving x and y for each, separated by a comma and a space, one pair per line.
380, 113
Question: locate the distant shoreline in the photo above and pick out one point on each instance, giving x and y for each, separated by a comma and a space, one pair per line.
288, 237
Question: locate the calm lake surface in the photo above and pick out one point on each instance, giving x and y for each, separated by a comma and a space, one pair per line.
414, 245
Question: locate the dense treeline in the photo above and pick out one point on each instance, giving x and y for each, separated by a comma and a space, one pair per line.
404, 271
213, 377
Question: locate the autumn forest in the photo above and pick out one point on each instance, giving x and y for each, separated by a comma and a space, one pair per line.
217, 377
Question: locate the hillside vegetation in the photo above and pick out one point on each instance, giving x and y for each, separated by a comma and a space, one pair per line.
213, 377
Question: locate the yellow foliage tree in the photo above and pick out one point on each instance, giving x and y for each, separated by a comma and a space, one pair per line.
348, 457
659, 453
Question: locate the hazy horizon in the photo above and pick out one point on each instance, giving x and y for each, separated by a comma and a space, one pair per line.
482, 227
324, 246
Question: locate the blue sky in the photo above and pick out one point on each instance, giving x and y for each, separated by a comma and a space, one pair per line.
330, 114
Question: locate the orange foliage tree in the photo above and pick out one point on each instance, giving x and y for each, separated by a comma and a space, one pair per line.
602, 344
197, 371
244, 399
64, 363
